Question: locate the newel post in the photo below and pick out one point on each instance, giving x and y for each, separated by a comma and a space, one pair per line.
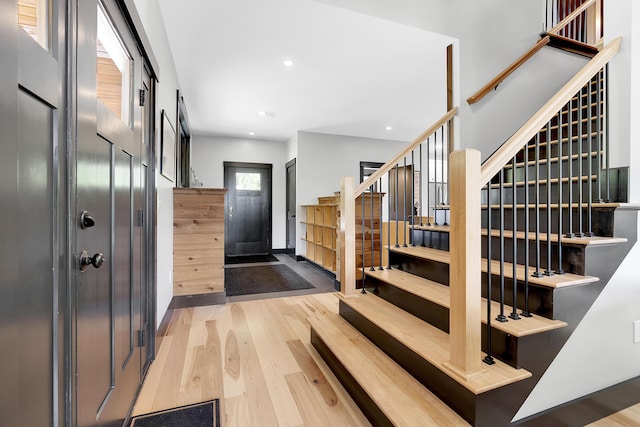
464, 270
347, 238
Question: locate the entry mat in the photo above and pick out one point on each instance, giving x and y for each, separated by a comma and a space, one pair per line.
248, 259
262, 279
205, 414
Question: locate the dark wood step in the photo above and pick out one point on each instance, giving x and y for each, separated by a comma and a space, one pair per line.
570, 45
423, 351
386, 394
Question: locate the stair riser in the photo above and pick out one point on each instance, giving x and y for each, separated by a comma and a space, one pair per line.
540, 298
478, 410
365, 404
543, 193
504, 346
601, 223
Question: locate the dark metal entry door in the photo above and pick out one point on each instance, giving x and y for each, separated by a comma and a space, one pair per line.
108, 236
291, 206
32, 283
248, 216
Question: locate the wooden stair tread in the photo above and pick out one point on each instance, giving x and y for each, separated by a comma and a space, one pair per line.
403, 400
555, 281
430, 343
574, 241
571, 45
542, 182
440, 294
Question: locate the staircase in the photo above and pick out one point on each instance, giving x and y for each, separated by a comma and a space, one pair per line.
548, 240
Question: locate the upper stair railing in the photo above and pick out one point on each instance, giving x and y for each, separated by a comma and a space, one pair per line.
581, 23
541, 186
566, 139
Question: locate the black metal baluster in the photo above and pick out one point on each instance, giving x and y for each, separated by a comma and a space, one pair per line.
525, 312
580, 232
429, 182
413, 199
372, 228
589, 162
488, 358
537, 273
549, 270
443, 183
501, 317
420, 188
514, 239
599, 137
397, 197
380, 224
570, 176
363, 242
606, 134
560, 270
404, 204
388, 220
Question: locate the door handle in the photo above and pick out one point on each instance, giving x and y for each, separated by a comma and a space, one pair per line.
96, 260
230, 211
86, 220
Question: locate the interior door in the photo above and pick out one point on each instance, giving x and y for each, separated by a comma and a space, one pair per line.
32, 283
248, 216
108, 236
291, 206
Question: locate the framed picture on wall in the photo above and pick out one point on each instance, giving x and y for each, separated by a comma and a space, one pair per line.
167, 148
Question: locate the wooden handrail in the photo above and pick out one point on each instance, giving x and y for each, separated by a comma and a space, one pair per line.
570, 17
527, 55
519, 139
373, 178
508, 71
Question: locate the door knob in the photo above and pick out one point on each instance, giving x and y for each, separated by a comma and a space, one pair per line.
96, 260
86, 220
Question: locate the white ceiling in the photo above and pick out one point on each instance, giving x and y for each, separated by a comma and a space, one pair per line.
353, 74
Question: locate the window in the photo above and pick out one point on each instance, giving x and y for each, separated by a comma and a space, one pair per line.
113, 69
33, 17
248, 181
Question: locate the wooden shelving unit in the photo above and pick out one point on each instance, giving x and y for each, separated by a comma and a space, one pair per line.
320, 237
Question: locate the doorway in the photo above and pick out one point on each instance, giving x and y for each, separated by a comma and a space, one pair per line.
291, 207
248, 211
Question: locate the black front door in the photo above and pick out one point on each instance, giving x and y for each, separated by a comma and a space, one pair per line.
248, 213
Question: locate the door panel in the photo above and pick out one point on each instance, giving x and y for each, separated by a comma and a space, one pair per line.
32, 282
248, 219
108, 186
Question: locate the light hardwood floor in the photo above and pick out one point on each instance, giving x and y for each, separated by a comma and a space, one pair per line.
256, 357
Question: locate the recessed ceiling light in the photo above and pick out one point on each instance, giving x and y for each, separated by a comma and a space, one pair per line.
388, 128
252, 133
262, 113
287, 63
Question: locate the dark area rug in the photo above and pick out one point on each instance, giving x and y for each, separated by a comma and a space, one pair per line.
205, 414
249, 259
262, 279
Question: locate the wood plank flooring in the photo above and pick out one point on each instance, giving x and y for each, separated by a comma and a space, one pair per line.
256, 357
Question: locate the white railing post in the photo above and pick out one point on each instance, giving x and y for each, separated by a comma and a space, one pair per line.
347, 266
464, 270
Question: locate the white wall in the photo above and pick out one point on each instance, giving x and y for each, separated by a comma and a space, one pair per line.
208, 153
153, 23
324, 159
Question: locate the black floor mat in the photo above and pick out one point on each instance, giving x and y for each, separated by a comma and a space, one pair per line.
262, 279
205, 414
249, 259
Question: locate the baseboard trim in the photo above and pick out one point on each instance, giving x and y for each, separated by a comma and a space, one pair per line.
282, 251
163, 327
185, 301
588, 409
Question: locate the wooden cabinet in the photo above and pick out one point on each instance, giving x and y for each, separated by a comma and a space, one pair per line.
198, 241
